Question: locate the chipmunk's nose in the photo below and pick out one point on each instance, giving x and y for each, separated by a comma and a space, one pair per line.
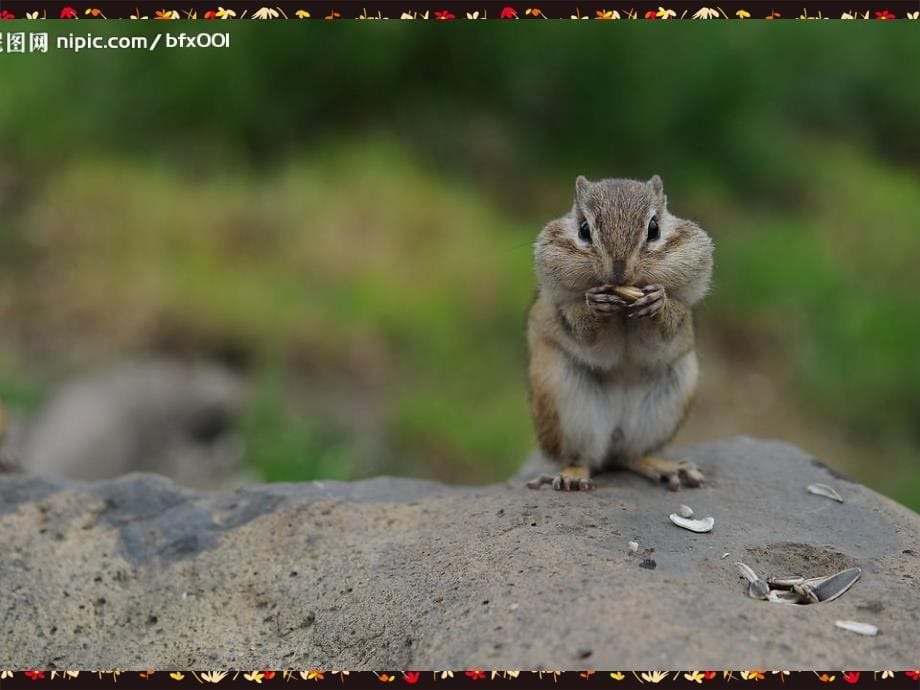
619, 272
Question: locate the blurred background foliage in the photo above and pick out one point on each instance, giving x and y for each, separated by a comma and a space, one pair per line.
344, 213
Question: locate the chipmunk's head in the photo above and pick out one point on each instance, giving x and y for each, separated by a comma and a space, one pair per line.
620, 232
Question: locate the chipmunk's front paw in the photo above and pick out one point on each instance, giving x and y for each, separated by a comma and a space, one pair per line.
603, 300
569, 479
651, 302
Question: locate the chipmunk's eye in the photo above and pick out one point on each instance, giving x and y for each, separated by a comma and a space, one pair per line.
584, 232
653, 232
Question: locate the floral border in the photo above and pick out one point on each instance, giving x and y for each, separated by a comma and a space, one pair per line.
761, 679
447, 10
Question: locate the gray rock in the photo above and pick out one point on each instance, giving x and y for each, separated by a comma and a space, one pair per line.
397, 573
174, 418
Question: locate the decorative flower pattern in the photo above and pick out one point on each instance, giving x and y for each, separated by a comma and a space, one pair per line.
351, 9
764, 680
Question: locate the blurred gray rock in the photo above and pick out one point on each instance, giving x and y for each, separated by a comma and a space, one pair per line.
174, 418
399, 574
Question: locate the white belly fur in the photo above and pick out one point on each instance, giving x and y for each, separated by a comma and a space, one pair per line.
646, 412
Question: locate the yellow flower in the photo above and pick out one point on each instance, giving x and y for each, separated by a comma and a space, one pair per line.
654, 676
694, 677
706, 13
617, 675
265, 13
213, 676
742, 14
176, 675
662, 13
752, 675
302, 14
225, 14
255, 677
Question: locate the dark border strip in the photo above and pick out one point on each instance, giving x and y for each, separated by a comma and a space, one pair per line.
528, 10
469, 679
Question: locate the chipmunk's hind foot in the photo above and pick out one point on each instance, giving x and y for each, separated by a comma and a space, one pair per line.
571, 478
675, 472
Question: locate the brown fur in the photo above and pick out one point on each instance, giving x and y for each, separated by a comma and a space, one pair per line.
579, 338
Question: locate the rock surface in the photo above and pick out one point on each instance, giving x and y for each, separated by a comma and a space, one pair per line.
176, 417
396, 573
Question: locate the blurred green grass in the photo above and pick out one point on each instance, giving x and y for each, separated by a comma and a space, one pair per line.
361, 235
415, 288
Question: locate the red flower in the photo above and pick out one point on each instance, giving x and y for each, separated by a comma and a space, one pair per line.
851, 676
475, 674
6, 15
444, 15
709, 675
884, 14
68, 12
913, 675
210, 14
651, 14
268, 675
34, 675
411, 677
508, 12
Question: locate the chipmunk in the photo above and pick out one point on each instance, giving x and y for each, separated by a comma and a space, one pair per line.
613, 368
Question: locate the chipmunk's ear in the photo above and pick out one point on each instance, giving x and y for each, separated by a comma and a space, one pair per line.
657, 186
581, 187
